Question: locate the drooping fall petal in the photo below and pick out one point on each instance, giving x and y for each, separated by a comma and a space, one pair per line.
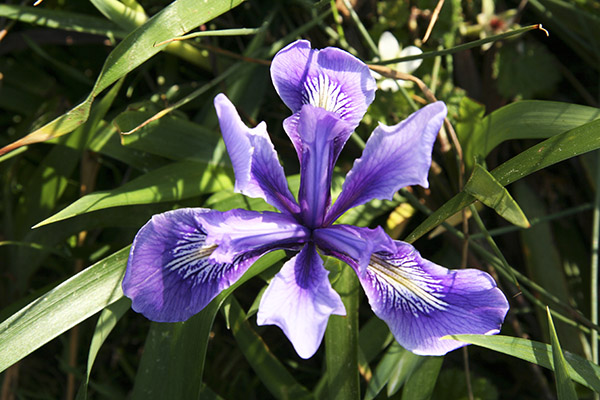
422, 302
300, 300
172, 272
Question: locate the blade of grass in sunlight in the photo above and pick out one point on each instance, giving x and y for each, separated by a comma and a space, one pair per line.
564, 385
107, 321
55, 19
62, 308
529, 119
175, 181
135, 49
579, 369
218, 32
484, 187
551, 151
421, 382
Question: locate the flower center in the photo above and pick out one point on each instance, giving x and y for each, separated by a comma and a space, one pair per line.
322, 92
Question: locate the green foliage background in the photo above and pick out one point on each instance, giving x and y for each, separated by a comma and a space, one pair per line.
102, 125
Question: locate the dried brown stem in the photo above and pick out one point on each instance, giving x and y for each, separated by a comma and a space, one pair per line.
434, 18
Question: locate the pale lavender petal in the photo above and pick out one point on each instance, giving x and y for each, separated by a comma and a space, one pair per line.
394, 157
323, 135
352, 244
172, 274
258, 172
422, 302
237, 231
329, 78
300, 300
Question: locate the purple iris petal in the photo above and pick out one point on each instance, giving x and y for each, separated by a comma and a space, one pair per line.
182, 259
421, 302
172, 274
323, 134
258, 172
329, 78
300, 300
352, 244
394, 157
237, 231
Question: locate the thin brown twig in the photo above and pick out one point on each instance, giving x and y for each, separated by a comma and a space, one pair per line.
11, 380
434, 18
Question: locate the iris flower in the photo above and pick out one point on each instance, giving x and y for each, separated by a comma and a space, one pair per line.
180, 260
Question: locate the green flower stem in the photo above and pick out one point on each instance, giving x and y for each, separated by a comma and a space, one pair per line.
341, 341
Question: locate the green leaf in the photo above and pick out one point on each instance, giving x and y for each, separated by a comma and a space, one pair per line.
175, 181
519, 120
173, 360
341, 338
551, 151
178, 18
60, 19
269, 369
170, 137
403, 371
127, 18
564, 385
62, 308
484, 187
579, 369
421, 383
396, 365
107, 321
384, 370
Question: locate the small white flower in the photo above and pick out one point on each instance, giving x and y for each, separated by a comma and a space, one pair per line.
389, 48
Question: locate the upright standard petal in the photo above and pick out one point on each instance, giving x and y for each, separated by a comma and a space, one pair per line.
352, 244
330, 78
323, 135
172, 273
300, 300
422, 302
394, 157
258, 172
